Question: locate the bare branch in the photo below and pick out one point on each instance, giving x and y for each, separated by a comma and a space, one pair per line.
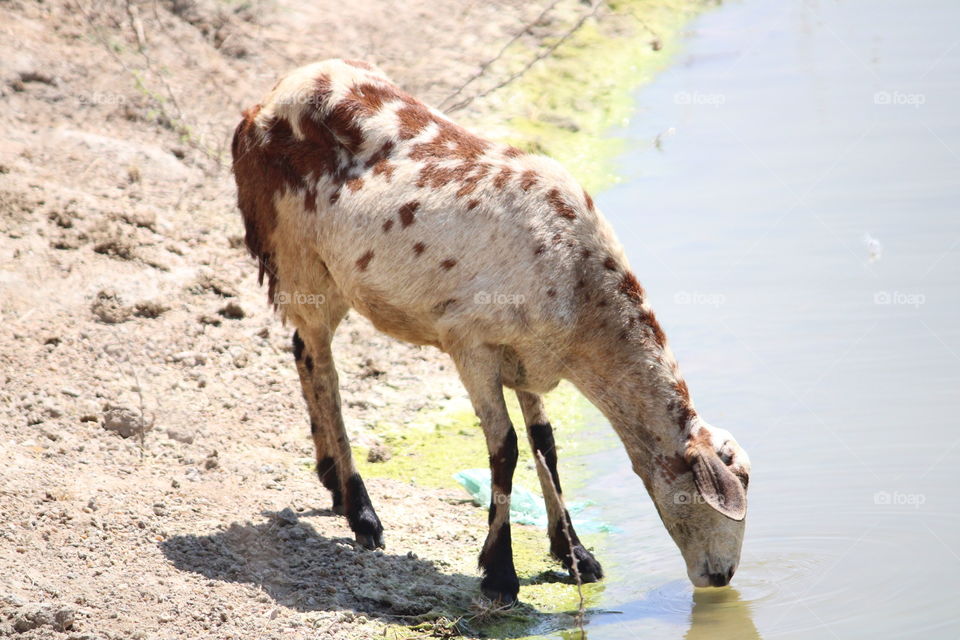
486, 65
540, 56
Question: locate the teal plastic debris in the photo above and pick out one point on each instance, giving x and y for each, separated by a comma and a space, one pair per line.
525, 506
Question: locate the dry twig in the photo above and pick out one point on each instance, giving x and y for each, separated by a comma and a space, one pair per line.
581, 610
540, 56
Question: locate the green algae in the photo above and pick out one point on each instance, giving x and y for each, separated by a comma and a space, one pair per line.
435, 444
565, 105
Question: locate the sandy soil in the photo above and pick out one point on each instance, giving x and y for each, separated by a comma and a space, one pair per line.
155, 478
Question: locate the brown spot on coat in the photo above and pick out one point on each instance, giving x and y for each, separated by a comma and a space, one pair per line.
433, 176
385, 169
631, 287
586, 197
368, 98
473, 204
412, 119
364, 260
448, 264
512, 152
387, 225
470, 181
555, 198
451, 142
407, 213
379, 161
355, 184
527, 179
502, 178
610, 264
419, 248
647, 318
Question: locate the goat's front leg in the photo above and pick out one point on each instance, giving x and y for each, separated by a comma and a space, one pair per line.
479, 369
540, 435
318, 375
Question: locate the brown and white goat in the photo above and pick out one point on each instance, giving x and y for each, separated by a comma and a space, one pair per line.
356, 195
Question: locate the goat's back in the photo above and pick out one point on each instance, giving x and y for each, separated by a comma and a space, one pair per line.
346, 181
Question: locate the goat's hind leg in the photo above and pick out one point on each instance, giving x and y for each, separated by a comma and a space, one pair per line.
326, 462
335, 467
540, 435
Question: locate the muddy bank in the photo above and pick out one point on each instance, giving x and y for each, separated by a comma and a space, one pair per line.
157, 473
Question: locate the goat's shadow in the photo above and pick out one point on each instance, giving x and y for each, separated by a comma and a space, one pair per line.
303, 570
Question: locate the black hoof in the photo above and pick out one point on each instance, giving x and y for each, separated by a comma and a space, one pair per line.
370, 540
590, 570
502, 590
501, 598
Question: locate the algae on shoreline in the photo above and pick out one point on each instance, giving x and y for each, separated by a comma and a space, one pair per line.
565, 105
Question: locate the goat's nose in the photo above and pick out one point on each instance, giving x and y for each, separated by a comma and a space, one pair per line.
720, 579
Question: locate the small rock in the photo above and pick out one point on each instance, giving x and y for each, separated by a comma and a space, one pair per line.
211, 462
149, 309
190, 358
210, 282
64, 618
109, 308
34, 615
213, 321
379, 453
124, 422
287, 517
180, 434
232, 311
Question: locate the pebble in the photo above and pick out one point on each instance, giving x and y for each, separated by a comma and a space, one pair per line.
123, 421
287, 517
34, 615
181, 434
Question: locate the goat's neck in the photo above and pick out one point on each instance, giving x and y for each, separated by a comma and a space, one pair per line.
624, 367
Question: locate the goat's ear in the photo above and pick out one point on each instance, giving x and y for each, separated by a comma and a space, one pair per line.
718, 486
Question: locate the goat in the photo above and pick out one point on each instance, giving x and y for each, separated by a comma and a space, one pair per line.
356, 195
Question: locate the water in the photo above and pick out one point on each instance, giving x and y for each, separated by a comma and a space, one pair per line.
798, 233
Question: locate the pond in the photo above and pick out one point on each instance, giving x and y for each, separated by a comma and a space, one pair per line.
792, 206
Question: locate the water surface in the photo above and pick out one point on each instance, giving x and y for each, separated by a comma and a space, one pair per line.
797, 227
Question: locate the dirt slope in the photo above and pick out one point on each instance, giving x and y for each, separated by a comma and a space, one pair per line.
129, 308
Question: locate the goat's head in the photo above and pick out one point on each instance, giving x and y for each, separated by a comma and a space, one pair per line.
701, 495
